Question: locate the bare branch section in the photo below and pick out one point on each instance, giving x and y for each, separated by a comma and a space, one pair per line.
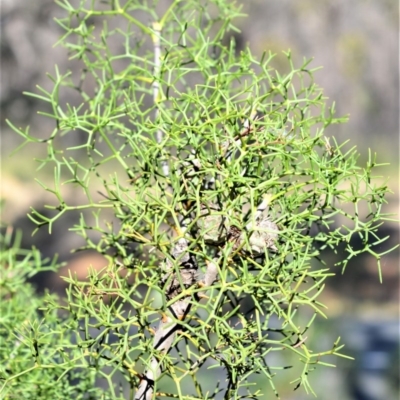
181, 273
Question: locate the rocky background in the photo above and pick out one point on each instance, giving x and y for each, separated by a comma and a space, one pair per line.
356, 42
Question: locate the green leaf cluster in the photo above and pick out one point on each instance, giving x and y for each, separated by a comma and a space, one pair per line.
36, 349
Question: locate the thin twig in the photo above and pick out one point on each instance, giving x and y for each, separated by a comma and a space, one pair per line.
156, 87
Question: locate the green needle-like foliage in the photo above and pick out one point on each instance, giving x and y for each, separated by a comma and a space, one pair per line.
219, 194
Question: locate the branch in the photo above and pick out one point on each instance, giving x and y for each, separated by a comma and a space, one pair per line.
166, 332
156, 86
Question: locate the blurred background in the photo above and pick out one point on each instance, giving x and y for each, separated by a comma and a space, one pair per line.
357, 43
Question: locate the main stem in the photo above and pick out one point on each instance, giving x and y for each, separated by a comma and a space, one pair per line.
180, 267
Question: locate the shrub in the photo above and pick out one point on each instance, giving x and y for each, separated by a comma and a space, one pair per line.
219, 193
